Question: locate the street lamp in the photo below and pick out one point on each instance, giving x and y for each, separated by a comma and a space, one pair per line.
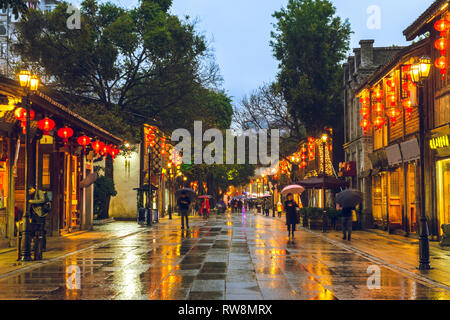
419, 73
324, 220
30, 83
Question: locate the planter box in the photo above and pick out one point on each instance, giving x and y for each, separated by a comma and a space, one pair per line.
315, 224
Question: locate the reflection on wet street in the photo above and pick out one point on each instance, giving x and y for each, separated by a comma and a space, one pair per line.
231, 256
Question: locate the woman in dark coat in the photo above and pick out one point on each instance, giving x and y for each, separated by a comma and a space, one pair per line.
290, 207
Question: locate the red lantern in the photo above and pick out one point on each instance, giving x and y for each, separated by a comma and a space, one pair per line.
392, 99
441, 44
441, 63
105, 150
65, 133
379, 122
364, 112
21, 115
46, 125
378, 108
97, 146
311, 147
442, 26
364, 100
114, 152
390, 83
407, 103
393, 114
304, 164
84, 141
311, 140
303, 150
312, 156
378, 94
365, 123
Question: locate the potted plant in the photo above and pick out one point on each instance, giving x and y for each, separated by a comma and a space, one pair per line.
315, 218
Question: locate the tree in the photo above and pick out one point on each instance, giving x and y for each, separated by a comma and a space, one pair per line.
310, 42
17, 6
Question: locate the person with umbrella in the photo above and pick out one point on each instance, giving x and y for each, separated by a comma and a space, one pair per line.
183, 203
348, 199
290, 207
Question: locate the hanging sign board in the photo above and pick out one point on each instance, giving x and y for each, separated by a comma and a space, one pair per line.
46, 140
394, 155
410, 150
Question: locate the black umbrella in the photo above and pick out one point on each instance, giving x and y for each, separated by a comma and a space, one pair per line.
349, 198
189, 192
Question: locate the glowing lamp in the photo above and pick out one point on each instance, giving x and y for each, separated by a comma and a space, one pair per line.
442, 26
84, 141
311, 140
364, 100
390, 83
365, 123
441, 44
421, 69
65, 133
378, 94
105, 150
24, 78
364, 112
378, 107
393, 114
303, 150
304, 164
21, 115
97, 146
379, 122
407, 103
46, 125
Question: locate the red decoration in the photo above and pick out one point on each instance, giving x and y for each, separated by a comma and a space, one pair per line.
441, 63
364, 100
303, 150
442, 26
304, 164
390, 83
97, 146
393, 114
114, 152
46, 125
365, 123
84, 141
21, 115
364, 112
379, 122
441, 44
105, 150
392, 99
311, 140
378, 94
65, 133
378, 107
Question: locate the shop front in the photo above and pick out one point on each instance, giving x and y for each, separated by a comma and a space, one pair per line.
440, 145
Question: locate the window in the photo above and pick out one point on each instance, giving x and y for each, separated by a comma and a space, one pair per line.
395, 184
46, 171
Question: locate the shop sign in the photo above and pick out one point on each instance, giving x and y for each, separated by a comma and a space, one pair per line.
46, 140
439, 142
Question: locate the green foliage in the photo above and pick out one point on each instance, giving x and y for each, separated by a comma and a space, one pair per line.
310, 42
103, 189
17, 6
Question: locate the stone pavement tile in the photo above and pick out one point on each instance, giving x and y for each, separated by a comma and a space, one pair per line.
243, 297
218, 295
211, 276
169, 294
239, 265
208, 286
214, 267
216, 258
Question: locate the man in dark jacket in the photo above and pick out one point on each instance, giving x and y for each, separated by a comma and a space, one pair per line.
184, 203
347, 220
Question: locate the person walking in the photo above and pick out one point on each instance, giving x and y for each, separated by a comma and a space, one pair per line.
347, 220
205, 208
183, 203
290, 207
279, 209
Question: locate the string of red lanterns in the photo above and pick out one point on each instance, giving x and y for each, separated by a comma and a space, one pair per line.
441, 44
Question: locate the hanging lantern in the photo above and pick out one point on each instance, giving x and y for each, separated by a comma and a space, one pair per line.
163, 146
304, 164
65, 133
365, 123
46, 125
312, 155
304, 157
441, 44
364, 100
441, 63
392, 99
364, 112
21, 115
303, 150
390, 83
379, 122
311, 147
114, 152
378, 107
442, 26
378, 94
311, 140
105, 150
97, 146
393, 114
84, 141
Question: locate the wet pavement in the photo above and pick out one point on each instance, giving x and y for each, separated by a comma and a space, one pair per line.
232, 257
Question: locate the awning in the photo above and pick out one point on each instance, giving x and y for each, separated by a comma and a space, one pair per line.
318, 182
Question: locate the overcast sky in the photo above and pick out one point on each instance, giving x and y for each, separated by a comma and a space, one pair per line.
239, 31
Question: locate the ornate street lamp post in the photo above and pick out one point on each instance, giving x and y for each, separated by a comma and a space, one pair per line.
30, 83
419, 73
324, 220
